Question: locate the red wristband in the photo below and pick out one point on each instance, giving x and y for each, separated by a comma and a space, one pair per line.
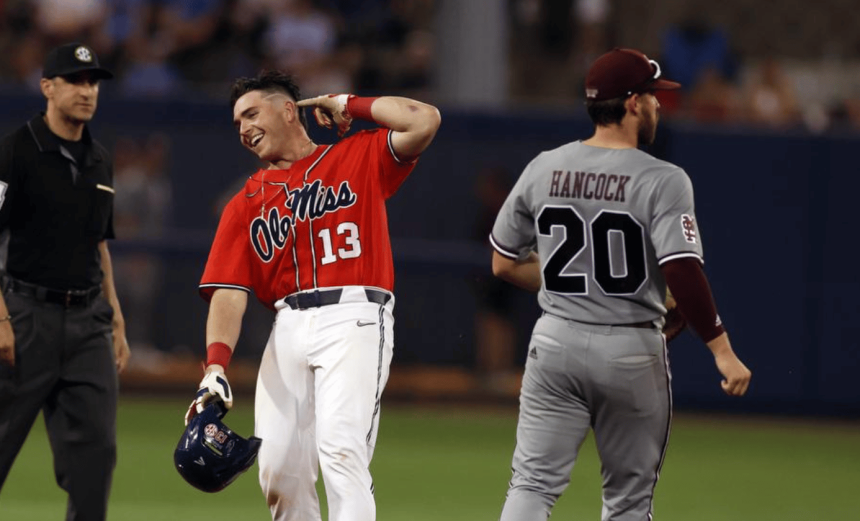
218, 353
359, 108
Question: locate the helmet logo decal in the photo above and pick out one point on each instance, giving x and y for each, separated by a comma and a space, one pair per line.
217, 435
210, 456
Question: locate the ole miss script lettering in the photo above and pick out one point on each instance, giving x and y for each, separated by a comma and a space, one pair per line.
321, 223
311, 201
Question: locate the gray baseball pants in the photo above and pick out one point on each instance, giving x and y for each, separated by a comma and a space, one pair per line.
614, 380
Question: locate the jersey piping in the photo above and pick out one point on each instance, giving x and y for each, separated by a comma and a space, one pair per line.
680, 255
391, 149
665, 446
502, 250
224, 286
379, 366
310, 230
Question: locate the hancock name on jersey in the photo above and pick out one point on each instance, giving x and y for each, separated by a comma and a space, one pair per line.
588, 185
311, 201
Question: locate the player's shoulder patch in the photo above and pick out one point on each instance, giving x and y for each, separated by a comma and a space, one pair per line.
688, 228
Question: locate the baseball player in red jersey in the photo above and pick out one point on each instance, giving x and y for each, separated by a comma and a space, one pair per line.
308, 234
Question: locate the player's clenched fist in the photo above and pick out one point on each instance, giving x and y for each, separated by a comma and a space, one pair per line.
331, 110
736, 375
214, 386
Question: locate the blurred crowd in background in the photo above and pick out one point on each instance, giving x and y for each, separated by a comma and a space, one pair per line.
795, 69
174, 48
786, 69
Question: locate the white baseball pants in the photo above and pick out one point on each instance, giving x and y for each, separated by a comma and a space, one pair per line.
317, 406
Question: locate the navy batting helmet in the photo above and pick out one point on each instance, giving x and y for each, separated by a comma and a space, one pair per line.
210, 455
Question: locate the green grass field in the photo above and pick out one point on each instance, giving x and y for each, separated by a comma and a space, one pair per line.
433, 463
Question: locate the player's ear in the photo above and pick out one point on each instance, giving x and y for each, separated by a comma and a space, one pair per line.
290, 110
632, 104
47, 87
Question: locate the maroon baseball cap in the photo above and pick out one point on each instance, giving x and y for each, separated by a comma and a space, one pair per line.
622, 72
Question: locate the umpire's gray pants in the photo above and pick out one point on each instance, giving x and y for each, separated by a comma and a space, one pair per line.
64, 366
578, 376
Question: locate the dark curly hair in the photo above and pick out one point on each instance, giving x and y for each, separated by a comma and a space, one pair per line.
271, 82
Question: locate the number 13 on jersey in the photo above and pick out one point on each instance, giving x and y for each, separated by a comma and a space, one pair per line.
348, 233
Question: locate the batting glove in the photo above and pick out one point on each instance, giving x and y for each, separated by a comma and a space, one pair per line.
214, 386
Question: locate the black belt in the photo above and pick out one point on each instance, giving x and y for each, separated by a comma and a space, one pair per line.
640, 325
318, 298
68, 298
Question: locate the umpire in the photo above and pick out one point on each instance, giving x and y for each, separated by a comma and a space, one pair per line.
62, 334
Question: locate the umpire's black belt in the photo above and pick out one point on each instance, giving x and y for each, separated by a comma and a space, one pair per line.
324, 297
65, 298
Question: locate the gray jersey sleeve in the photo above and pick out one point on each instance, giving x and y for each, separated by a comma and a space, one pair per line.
513, 233
674, 231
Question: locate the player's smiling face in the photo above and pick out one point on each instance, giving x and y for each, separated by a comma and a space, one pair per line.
262, 122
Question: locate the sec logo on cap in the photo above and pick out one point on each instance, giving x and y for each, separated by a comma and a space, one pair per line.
83, 54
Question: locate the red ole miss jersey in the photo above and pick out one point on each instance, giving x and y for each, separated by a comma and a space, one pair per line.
320, 223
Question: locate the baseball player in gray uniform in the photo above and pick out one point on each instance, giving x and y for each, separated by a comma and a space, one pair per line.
599, 229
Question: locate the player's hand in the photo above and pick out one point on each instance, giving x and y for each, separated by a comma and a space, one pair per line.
7, 344
120, 347
670, 301
736, 376
330, 111
674, 324
214, 386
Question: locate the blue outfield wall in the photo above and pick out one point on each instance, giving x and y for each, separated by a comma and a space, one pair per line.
775, 212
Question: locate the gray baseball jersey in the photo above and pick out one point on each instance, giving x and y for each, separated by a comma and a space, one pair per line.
602, 221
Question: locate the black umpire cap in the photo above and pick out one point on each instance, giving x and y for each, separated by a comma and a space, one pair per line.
72, 58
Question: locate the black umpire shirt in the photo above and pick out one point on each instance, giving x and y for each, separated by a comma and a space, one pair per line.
56, 207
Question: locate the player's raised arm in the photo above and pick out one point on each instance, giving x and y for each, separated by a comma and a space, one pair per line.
414, 123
